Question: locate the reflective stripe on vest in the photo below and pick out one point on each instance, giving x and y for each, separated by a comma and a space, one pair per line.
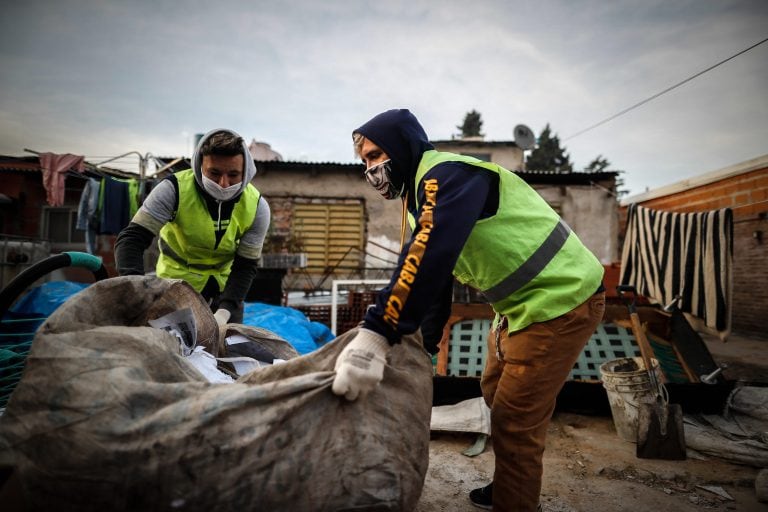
168, 251
532, 266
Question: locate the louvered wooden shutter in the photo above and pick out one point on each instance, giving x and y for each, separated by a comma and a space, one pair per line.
332, 234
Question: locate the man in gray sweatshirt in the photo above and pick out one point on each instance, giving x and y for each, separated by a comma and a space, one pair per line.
210, 222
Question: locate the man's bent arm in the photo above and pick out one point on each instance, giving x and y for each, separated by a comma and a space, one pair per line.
130, 245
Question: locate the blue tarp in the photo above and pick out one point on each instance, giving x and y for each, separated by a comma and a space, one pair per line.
20, 322
43, 300
288, 323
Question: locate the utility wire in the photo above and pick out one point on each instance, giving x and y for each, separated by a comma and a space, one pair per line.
710, 68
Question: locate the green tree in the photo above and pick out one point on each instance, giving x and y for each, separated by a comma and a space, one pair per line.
620, 190
548, 155
600, 164
472, 125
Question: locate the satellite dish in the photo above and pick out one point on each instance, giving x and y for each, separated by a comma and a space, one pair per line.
524, 137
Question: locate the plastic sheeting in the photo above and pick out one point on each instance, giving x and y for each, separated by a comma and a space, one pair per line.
291, 324
44, 299
739, 435
471, 415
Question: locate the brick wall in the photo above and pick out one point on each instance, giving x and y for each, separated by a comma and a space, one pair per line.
750, 276
747, 195
281, 209
22, 218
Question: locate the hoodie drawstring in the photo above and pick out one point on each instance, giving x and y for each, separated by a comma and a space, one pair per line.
403, 221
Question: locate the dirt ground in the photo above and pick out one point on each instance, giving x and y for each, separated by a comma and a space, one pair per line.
587, 467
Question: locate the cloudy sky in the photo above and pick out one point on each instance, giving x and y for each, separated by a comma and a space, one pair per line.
101, 78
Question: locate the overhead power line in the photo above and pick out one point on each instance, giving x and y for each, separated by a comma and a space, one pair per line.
710, 68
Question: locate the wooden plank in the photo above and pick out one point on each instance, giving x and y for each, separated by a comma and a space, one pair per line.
472, 311
442, 355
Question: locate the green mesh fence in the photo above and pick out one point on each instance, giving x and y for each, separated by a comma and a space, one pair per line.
467, 348
467, 351
15, 342
609, 342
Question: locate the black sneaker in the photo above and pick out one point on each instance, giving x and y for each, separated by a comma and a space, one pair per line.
482, 497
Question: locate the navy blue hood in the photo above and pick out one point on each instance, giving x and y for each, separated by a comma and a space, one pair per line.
402, 138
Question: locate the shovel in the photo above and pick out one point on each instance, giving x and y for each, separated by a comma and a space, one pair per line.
660, 432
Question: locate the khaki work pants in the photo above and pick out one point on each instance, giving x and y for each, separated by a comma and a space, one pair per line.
521, 390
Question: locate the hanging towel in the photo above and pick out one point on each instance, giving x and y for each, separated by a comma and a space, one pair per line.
54, 169
134, 192
87, 213
114, 206
668, 254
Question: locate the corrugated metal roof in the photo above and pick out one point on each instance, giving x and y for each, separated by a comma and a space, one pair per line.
19, 164
475, 142
32, 164
176, 164
534, 177
565, 178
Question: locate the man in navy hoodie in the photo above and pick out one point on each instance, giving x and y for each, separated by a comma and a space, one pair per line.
483, 225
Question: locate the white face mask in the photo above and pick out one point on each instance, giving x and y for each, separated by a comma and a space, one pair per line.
219, 192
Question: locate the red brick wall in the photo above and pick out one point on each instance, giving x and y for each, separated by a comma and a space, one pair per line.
747, 195
281, 209
750, 276
22, 218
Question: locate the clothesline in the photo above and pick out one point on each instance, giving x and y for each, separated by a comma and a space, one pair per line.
99, 170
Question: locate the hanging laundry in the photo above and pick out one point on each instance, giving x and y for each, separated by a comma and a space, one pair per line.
54, 169
88, 213
667, 254
134, 194
114, 206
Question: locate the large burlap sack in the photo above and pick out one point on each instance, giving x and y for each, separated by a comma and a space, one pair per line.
109, 416
133, 301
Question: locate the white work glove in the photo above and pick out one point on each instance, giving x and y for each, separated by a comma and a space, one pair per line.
360, 366
222, 315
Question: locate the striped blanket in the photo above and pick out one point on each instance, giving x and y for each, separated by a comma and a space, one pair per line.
668, 254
